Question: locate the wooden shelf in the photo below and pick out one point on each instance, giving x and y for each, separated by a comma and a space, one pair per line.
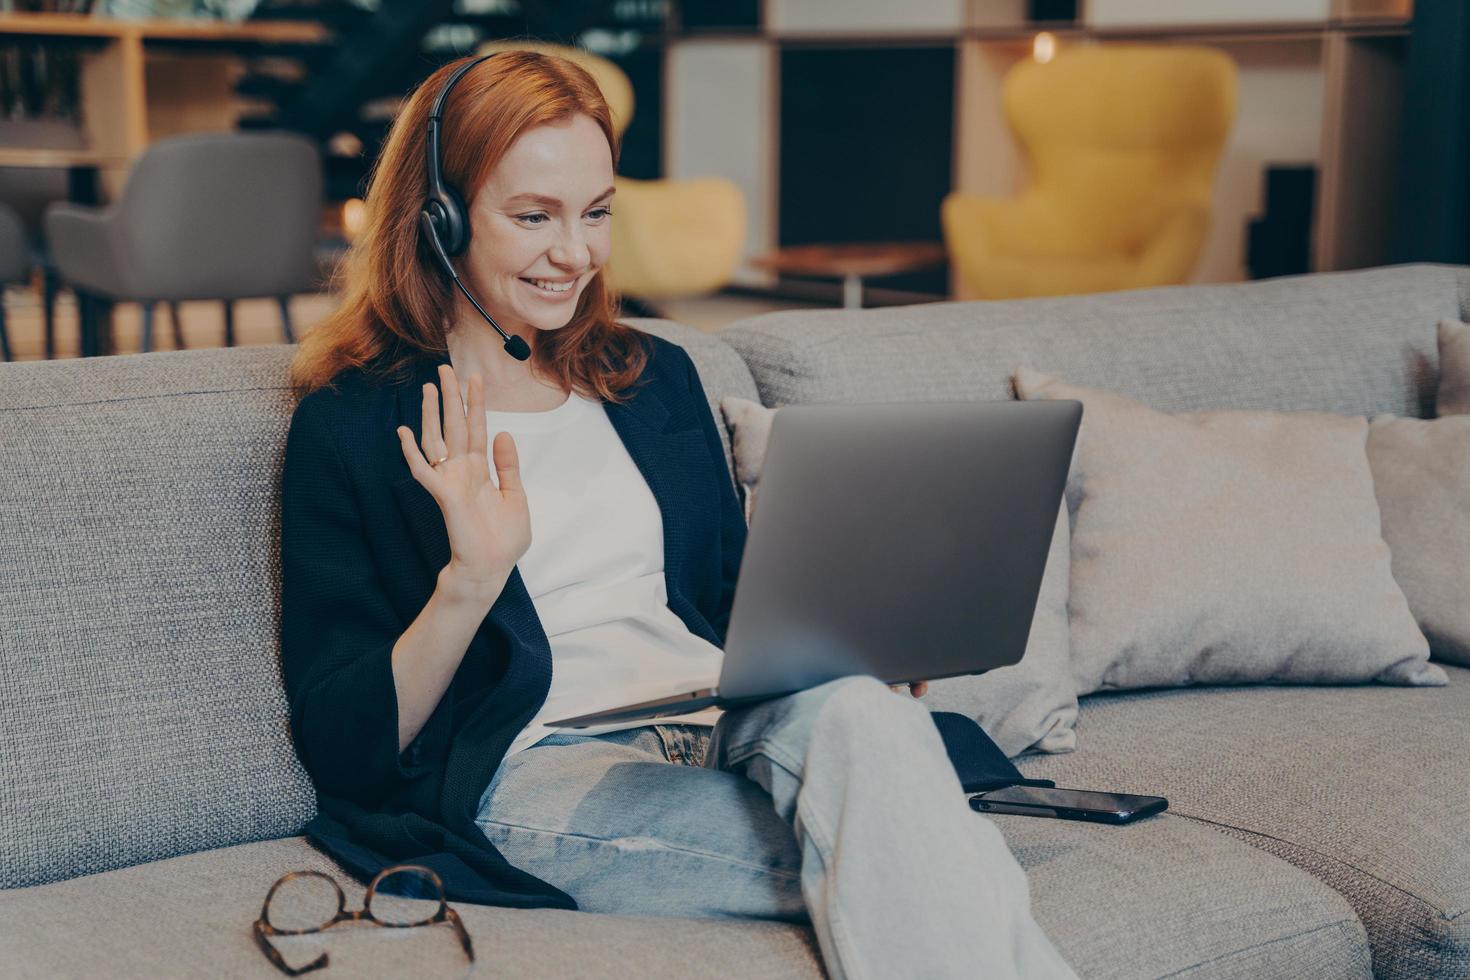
47, 158
145, 79
1219, 33
89, 26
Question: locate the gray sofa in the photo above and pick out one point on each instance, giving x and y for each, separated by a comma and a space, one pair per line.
151, 793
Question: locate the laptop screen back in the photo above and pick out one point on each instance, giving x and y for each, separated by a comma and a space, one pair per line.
902, 540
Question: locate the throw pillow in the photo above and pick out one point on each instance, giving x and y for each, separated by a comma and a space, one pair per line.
1027, 706
1421, 474
1228, 548
1454, 368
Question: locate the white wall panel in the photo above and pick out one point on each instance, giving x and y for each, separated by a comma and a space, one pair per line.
863, 16
1150, 13
720, 120
1279, 120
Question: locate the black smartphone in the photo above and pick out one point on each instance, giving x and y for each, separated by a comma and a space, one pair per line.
1068, 804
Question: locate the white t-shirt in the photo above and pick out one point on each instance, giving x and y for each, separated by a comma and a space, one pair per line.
595, 571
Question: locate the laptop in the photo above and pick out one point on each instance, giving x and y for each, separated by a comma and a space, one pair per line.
902, 540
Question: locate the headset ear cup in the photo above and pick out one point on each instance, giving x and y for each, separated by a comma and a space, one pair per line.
456, 237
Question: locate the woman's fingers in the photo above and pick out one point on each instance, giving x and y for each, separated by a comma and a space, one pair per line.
477, 435
417, 465
433, 438
507, 463
454, 422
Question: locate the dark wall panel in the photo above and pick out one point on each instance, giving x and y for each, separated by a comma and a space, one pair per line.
1432, 213
865, 147
642, 150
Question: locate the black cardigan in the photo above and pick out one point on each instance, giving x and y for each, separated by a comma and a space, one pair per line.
362, 544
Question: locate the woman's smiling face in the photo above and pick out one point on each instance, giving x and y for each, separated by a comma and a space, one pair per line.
539, 226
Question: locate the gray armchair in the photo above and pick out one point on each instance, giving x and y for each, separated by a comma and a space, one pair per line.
15, 263
222, 216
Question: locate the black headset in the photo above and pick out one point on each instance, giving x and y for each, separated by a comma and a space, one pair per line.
445, 221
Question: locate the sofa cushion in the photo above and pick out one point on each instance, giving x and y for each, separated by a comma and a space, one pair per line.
1364, 787
1454, 368
1421, 475
191, 916
1353, 343
1163, 898
1166, 897
141, 705
1228, 548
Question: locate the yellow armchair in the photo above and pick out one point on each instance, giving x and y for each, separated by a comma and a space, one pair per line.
669, 237
1121, 144
675, 237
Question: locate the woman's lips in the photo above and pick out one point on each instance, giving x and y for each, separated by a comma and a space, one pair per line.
551, 295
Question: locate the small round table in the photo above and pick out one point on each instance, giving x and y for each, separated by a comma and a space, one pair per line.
851, 262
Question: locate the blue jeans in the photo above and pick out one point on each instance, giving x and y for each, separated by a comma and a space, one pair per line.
836, 806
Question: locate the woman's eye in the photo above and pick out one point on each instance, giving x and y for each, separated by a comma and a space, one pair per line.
528, 217
601, 213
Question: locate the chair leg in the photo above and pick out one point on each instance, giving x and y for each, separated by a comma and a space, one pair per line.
104, 325
147, 344
285, 304
229, 323
178, 322
87, 314
4, 335
49, 284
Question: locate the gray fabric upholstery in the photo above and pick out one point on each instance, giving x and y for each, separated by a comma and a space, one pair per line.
1355, 343
141, 705
213, 216
721, 370
1228, 547
1166, 898
190, 916
1454, 368
1365, 787
1421, 476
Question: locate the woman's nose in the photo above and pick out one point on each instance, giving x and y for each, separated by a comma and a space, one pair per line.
571, 251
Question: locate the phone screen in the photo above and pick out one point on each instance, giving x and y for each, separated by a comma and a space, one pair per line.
1073, 799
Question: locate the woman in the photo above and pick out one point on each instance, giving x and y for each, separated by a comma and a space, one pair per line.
422, 616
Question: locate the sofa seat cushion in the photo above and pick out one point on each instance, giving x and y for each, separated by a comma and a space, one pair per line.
191, 916
1165, 898
1365, 787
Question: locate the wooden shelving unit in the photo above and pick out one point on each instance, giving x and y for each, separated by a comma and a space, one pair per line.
144, 79
1325, 92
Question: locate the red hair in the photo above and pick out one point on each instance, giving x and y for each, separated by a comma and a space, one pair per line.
397, 300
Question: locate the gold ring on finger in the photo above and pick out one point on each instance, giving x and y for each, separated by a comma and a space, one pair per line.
436, 462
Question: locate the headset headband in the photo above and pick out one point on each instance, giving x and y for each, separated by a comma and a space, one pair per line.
436, 177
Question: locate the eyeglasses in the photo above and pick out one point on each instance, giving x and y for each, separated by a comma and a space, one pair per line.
400, 897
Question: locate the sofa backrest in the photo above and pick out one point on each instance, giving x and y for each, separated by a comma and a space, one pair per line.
142, 710
1356, 343
721, 371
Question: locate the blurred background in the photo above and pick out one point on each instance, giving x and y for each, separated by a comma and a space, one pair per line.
776, 154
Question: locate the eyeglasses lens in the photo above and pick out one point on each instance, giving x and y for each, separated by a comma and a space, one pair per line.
303, 902
406, 898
